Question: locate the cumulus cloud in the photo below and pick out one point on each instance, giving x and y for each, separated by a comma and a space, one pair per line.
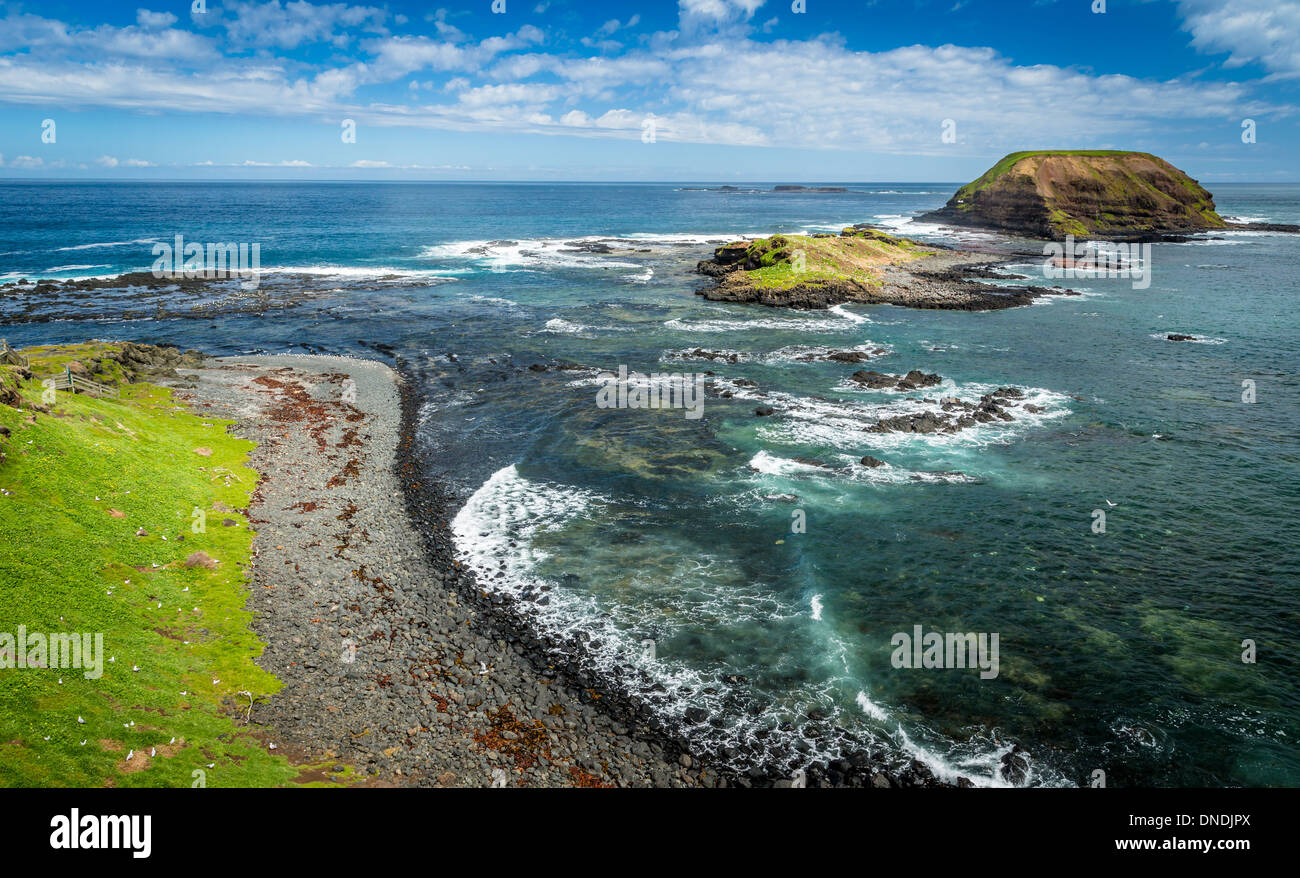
151, 39
1266, 32
297, 23
147, 19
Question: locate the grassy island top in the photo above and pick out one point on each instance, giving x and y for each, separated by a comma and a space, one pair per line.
785, 261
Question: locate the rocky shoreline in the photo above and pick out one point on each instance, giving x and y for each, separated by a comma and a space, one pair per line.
392, 659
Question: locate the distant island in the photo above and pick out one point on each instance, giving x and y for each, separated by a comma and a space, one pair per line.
1090, 193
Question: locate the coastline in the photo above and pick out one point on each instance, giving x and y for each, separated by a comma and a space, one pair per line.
387, 661
382, 639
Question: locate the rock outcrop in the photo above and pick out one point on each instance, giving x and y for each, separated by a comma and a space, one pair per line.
860, 264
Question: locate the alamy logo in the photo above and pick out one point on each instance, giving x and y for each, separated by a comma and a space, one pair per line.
945, 650
633, 390
210, 261
59, 650
75, 831
1092, 259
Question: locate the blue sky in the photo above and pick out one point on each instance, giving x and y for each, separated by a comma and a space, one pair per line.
732, 90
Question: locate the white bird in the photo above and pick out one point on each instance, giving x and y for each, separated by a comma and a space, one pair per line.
215, 681
47, 737
172, 741
83, 743
129, 755
153, 751
60, 681
80, 721
1108, 503
212, 765
111, 659
186, 588
272, 746
135, 668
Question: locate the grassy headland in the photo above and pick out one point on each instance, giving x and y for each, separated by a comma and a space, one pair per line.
100, 532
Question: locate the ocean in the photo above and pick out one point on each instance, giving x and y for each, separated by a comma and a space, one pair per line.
751, 566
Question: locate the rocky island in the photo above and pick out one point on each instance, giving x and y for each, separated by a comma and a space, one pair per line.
1049, 194
860, 264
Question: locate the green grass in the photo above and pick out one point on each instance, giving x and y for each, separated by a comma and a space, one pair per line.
856, 254
68, 564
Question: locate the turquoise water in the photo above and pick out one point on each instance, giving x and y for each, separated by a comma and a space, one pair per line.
1118, 651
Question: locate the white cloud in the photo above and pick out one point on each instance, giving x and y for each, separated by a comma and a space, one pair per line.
297, 23
1252, 31
147, 19
54, 38
106, 161
26, 161
712, 85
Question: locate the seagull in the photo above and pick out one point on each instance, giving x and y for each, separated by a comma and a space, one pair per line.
1108, 503
215, 681
111, 659
135, 668
83, 743
272, 746
172, 741
47, 737
153, 751
80, 721
129, 755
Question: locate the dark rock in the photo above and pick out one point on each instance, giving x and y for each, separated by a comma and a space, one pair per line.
1015, 765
